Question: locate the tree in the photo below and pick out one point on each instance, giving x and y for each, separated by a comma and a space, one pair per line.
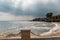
49, 15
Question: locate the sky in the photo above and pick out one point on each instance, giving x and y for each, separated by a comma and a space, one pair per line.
27, 9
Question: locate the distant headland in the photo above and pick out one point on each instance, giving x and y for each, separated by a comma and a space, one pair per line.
49, 18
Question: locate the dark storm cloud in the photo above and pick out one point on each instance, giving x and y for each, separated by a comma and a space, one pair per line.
37, 9
6, 6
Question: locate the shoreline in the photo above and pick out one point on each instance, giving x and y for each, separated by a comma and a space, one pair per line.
14, 35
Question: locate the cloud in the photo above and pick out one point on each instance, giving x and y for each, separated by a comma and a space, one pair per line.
7, 16
35, 8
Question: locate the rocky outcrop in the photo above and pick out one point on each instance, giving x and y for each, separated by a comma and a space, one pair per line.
53, 19
40, 19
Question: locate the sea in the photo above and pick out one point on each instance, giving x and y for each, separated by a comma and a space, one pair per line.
36, 27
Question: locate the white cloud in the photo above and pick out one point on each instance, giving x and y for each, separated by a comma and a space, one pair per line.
52, 0
27, 3
44, 1
15, 2
31, 6
24, 18
8, 16
47, 1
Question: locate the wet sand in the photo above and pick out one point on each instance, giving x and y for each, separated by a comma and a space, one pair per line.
54, 32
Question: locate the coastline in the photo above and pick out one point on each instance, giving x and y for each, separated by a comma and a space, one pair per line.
15, 35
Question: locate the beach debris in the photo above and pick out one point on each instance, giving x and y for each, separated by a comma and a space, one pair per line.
2, 35
10, 35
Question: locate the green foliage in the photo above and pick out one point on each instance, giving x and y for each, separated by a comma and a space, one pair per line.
49, 18
52, 18
49, 15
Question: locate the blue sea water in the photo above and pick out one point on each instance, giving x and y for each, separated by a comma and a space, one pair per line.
15, 26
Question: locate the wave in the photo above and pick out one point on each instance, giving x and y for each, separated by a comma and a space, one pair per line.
52, 31
14, 27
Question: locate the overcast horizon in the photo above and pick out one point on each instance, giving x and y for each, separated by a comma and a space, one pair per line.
27, 9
